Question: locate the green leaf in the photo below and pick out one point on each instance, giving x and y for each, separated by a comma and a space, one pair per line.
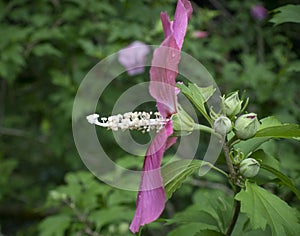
54, 225
288, 13
282, 131
285, 180
176, 172
196, 214
46, 49
186, 229
111, 215
271, 165
208, 232
212, 209
269, 121
250, 145
217, 204
266, 159
60, 79
198, 96
263, 207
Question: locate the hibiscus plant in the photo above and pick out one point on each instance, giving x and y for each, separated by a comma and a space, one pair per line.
240, 133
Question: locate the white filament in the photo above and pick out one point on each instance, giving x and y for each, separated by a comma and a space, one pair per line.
131, 120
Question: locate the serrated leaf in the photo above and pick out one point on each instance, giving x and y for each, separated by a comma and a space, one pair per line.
288, 13
212, 209
176, 172
198, 96
54, 225
285, 180
264, 208
216, 203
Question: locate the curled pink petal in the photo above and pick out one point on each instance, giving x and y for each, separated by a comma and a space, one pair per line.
182, 14
163, 75
151, 197
178, 26
167, 24
166, 59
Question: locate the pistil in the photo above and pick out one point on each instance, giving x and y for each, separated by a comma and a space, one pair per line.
144, 121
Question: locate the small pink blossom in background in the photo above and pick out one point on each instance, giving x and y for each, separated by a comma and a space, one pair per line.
258, 12
200, 34
133, 57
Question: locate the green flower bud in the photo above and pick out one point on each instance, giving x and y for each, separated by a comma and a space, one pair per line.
249, 167
246, 126
232, 104
222, 125
182, 124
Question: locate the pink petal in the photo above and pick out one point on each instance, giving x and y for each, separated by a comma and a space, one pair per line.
133, 57
166, 59
167, 24
163, 73
182, 14
151, 197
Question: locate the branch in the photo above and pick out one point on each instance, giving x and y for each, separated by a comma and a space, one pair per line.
82, 218
228, 162
12, 132
235, 215
233, 176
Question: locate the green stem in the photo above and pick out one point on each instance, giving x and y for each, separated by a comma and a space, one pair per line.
229, 163
216, 168
233, 176
234, 140
207, 130
235, 214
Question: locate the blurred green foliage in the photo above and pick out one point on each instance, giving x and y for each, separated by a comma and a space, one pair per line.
46, 49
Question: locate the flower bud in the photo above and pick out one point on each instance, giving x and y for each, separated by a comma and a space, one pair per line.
249, 167
222, 125
232, 104
246, 126
182, 124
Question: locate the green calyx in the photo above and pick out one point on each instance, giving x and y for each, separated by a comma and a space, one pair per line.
182, 124
222, 125
249, 168
232, 104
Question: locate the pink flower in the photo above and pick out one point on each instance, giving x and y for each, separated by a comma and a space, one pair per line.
259, 12
133, 57
200, 34
151, 196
